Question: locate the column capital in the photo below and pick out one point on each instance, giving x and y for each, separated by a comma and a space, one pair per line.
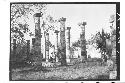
62, 19
82, 23
37, 15
68, 28
56, 31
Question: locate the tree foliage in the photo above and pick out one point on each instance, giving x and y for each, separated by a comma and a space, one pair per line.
76, 44
19, 17
101, 41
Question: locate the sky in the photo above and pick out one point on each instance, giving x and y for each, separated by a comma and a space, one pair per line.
96, 15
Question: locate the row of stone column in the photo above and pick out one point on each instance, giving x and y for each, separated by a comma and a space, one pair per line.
64, 40
65, 47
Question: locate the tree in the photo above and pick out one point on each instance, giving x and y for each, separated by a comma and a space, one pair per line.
19, 17
100, 40
76, 44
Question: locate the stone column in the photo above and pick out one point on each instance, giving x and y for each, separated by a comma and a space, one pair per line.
113, 35
83, 40
62, 40
68, 44
33, 41
113, 40
56, 46
14, 46
33, 46
28, 48
47, 46
37, 42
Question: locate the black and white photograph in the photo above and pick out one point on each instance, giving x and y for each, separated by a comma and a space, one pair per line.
64, 41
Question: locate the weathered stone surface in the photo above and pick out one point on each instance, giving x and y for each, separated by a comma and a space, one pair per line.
68, 44
56, 46
83, 40
28, 48
36, 42
47, 47
62, 40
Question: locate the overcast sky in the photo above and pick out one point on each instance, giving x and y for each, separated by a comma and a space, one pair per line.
96, 15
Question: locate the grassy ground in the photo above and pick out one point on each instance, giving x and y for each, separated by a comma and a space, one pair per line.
79, 71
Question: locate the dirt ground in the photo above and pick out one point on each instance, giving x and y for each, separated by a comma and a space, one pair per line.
79, 71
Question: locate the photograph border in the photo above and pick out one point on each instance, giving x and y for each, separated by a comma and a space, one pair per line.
117, 38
